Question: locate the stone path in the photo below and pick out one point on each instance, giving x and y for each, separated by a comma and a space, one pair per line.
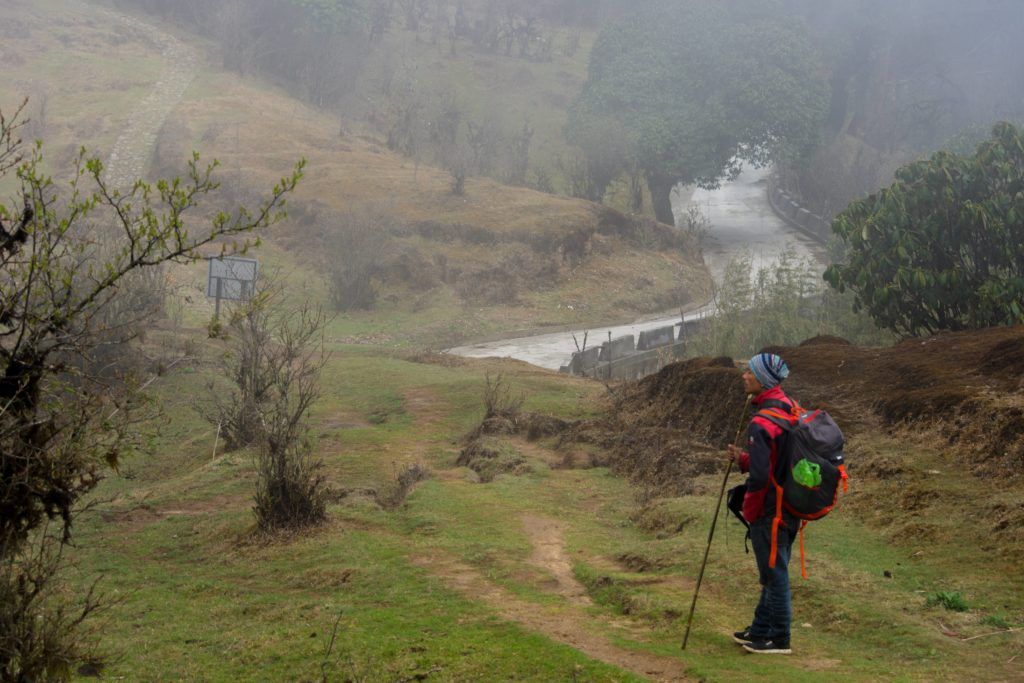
134, 146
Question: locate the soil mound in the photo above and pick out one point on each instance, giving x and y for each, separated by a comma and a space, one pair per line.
966, 387
702, 397
670, 427
1006, 357
824, 339
489, 458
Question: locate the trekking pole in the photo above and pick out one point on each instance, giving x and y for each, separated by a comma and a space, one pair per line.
714, 521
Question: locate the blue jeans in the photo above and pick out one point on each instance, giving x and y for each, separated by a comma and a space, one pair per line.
774, 610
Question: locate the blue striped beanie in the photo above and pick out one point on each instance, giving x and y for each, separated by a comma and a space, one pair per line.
769, 369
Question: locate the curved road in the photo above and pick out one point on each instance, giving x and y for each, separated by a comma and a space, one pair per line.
740, 221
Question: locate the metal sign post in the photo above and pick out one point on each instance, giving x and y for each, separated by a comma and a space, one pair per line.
232, 278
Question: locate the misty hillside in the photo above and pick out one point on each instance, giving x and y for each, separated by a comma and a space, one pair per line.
247, 428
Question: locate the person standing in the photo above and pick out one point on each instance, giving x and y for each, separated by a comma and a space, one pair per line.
769, 632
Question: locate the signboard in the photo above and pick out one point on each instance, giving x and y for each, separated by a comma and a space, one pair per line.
232, 278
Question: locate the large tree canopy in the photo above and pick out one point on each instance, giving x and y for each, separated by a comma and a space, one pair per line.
697, 86
940, 249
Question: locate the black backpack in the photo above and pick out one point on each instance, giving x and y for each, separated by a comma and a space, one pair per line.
812, 460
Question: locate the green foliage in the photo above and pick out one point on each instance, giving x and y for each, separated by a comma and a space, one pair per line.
781, 304
940, 248
951, 600
689, 89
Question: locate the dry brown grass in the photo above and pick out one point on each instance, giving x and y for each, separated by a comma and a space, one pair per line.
261, 132
564, 259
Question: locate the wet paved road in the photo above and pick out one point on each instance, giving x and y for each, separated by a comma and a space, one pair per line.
740, 219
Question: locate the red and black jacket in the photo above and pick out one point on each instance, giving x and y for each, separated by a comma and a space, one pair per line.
764, 441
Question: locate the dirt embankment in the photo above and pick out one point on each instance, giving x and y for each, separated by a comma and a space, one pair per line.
967, 388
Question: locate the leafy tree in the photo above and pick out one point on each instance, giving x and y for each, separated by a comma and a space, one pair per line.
940, 249
61, 425
701, 85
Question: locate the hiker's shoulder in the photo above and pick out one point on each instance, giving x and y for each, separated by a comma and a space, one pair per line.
773, 408
765, 424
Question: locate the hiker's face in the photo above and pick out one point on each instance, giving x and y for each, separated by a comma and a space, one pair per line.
750, 383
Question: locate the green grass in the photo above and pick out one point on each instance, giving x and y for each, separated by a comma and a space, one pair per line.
951, 600
201, 600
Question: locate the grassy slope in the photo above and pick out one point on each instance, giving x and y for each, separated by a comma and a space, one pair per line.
615, 281
202, 600
258, 132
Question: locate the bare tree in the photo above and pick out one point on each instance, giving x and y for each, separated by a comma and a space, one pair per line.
380, 19
273, 362
233, 25
237, 414
484, 140
331, 67
406, 133
356, 247
414, 12
444, 131
519, 154
290, 490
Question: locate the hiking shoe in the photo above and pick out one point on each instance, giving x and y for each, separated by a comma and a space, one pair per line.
743, 637
768, 647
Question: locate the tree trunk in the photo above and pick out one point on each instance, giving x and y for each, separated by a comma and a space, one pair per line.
661, 189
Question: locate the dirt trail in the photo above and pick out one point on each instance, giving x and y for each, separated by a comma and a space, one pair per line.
426, 407
549, 554
568, 623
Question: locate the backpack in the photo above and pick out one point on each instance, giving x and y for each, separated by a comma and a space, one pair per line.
812, 459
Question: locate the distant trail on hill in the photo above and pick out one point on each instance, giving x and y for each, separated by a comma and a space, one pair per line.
135, 144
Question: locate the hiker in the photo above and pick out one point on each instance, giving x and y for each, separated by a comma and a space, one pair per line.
769, 631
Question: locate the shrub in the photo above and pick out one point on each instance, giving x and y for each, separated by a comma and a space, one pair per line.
780, 304
498, 399
940, 248
997, 620
393, 495
290, 491
951, 600
275, 362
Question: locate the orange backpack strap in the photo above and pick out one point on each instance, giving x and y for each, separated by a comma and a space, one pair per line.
775, 522
842, 473
790, 417
803, 563
778, 414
